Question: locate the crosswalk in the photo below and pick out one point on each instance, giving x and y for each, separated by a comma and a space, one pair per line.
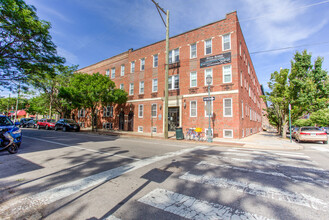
282, 179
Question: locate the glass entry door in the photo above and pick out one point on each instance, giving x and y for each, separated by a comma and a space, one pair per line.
173, 118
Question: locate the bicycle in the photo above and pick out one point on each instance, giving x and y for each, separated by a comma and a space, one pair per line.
195, 134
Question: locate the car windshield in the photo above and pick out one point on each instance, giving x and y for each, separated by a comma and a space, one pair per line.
69, 121
51, 120
4, 121
311, 129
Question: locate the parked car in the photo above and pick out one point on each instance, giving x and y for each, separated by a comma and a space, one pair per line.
312, 134
67, 125
46, 123
325, 129
23, 121
294, 132
31, 124
292, 128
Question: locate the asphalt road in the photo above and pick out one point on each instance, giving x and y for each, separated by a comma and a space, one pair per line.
59, 175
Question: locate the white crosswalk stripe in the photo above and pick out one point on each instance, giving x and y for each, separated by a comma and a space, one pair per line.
269, 153
258, 190
192, 208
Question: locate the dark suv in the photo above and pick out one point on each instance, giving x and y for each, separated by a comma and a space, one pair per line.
67, 125
23, 121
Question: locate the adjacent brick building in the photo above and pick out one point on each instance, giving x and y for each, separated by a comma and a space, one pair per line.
218, 49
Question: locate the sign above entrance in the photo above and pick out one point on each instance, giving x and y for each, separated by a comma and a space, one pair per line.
205, 99
215, 60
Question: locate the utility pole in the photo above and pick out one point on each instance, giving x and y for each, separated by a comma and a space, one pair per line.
165, 108
19, 89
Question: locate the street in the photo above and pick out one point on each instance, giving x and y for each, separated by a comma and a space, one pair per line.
75, 175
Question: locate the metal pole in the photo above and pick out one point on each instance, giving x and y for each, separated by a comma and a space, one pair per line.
290, 122
209, 113
8, 105
165, 116
19, 89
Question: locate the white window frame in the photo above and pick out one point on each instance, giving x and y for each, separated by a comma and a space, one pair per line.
107, 73
155, 64
141, 87
205, 76
140, 111
242, 109
131, 89
205, 109
132, 66
196, 109
142, 66
224, 136
191, 56
224, 73
241, 79
205, 46
242, 132
240, 49
229, 40
172, 56
173, 82
196, 79
153, 85
156, 111
122, 86
122, 73
224, 107
113, 73
140, 129
152, 129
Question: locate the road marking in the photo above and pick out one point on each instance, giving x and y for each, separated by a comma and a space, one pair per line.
192, 208
295, 179
265, 151
49, 196
82, 148
258, 190
270, 153
273, 163
111, 217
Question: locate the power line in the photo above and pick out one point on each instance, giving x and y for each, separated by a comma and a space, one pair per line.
287, 48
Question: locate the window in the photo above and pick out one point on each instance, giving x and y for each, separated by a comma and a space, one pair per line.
140, 128
193, 109
193, 79
141, 87
113, 73
154, 85
242, 108
142, 64
155, 60
140, 111
174, 56
131, 89
108, 111
208, 72
173, 82
154, 129
250, 114
122, 70
241, 79
81, 113
249, 92
242, 132
208, 105
121, 86
193, 50
226, 42
206, 132
249, 68
107, 72
227, 74
132, 67
227, 107
154, 110
228, 133
240, 49
208, 47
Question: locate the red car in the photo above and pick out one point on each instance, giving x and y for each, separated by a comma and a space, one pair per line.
46, 123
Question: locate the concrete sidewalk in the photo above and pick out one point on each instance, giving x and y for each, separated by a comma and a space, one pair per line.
263, 140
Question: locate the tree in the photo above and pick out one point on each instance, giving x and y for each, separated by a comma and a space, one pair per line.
89, 91
320, 117
26, 48
37, 105
10, 104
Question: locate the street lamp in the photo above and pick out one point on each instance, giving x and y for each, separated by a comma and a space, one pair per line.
209, 80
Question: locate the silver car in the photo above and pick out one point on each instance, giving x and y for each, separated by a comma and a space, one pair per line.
311, 134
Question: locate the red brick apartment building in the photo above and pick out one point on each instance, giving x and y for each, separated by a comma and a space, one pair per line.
217, 49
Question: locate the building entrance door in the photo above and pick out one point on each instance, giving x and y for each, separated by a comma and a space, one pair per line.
173, 118
121, 121
131, 121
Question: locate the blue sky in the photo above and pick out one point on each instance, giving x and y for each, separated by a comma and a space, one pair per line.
88, 31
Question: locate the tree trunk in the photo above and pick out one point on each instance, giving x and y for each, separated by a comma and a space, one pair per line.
284, 126
92, 119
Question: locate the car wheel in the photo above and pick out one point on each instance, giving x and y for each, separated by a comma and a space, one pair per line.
38, 127
56, 128
12, 149
64, 129
77, 130
325, 142
47, 128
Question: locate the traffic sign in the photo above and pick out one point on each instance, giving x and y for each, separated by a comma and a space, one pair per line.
205, 99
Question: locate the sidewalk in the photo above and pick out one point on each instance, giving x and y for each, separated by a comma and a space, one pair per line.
263, 140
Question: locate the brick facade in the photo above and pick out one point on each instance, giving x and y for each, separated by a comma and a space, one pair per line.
230, 86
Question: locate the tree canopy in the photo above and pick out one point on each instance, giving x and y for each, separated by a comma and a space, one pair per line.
26, 47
